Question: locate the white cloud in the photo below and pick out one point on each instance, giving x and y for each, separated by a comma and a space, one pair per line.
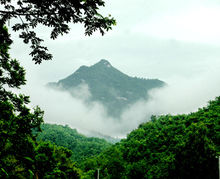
182, 95
147, 42
198, 24
81, 91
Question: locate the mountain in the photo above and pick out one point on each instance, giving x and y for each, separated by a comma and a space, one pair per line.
114, 89
81, 146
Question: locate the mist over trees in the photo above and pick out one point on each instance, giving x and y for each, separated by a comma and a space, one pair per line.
181, 146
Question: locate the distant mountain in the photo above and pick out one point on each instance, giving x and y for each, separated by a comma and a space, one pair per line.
114, 89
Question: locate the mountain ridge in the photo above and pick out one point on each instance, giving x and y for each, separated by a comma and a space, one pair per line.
109, 86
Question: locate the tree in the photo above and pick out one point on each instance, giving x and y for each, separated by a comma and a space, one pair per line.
56, 14
19, 151
169, 147
53, 162
21, 156
81, 146
16, 119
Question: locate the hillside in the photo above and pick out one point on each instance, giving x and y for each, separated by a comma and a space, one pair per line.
168, 147
114, 89
80, 145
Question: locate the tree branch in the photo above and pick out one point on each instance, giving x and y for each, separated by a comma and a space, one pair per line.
25, 14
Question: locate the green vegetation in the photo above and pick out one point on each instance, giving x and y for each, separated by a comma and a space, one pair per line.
56, 15
174, 147
81, 146
181, 146
170, 147
112, 88
20, 155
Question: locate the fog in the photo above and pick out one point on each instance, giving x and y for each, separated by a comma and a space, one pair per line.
181, 95
174, 41
190, 70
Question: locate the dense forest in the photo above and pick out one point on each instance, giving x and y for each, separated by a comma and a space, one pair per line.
180, 146
81, 146
172, 147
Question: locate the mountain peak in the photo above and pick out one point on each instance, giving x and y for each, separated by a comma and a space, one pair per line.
104, 62
107, 85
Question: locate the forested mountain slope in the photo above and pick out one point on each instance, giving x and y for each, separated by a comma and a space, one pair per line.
168, 147
107, 85
80, 145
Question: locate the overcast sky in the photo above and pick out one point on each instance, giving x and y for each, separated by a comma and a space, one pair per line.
177, 41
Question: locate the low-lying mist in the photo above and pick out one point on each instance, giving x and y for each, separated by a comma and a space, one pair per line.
181, 95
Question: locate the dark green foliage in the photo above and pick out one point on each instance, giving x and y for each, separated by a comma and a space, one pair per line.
81, 146
109, 86
110, 163
20, 155
170, 147
16, 119
56, 14
54, 162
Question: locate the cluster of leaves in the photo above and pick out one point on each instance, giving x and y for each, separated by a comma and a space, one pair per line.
81, 146
56, 14
51, 161
20, 155
181, 146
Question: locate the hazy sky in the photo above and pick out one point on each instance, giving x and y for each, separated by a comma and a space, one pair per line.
177, 41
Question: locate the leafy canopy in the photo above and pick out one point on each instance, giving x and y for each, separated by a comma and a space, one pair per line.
21, 156
81, 146
56, 14
168, 147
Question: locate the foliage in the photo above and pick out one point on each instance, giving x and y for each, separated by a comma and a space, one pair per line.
81, 146
54, 162
55, 14
174, 147
16, 119
20, 155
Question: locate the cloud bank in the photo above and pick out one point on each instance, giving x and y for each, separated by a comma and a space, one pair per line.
180, 96
175, 41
